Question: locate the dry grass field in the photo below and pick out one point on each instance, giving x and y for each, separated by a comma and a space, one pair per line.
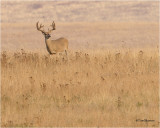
110, 78
100, 88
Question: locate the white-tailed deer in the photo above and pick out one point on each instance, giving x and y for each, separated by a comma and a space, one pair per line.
53, 46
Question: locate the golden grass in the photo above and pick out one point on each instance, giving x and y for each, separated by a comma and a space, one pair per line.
104, 88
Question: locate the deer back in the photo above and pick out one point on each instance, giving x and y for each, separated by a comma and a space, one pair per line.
58, 45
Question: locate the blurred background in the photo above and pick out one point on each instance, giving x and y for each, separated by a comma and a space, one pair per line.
86, 24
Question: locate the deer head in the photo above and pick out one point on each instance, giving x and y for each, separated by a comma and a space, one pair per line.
46, 34
53, 46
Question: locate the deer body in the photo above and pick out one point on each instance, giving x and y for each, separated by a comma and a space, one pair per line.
53, 46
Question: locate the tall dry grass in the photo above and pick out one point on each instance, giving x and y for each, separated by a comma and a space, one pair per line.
104, 88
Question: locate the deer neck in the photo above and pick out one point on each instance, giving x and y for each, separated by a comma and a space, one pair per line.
48, 41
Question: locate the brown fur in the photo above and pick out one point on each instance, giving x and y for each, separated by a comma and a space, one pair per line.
55, 46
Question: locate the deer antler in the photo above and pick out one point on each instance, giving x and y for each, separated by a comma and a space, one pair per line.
39, 27
53, 27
